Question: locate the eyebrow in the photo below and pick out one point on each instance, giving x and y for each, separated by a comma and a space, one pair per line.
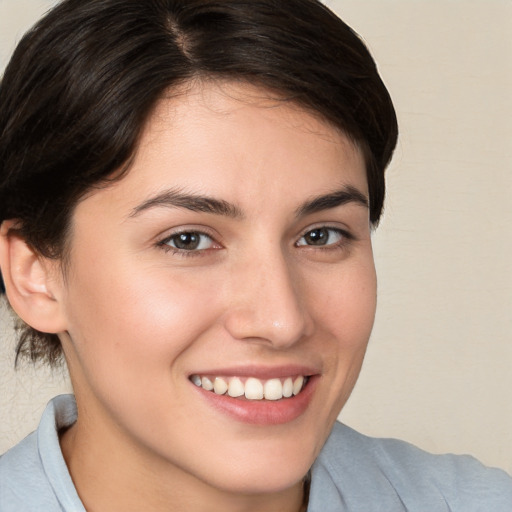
340, 197
176, 198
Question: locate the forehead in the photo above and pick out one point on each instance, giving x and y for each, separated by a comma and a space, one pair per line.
237, 142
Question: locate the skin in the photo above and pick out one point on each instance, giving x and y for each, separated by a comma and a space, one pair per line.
140, 318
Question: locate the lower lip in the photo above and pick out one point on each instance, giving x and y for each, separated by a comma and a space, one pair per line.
262, 412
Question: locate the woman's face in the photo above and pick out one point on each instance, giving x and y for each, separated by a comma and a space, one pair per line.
237, 252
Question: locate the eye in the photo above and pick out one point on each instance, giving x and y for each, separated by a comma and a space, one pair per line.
188, 241
322, 236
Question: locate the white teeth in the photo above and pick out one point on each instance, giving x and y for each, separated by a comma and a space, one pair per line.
297, 384
207, 384
273, 389
253, 389
236, 387
288, 387
220, 386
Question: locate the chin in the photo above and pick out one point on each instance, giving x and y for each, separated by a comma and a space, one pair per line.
268, 466
263, 480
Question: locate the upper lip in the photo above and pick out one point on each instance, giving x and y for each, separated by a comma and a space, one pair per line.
261, 372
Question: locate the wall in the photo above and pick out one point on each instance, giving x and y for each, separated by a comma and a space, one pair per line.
438, 367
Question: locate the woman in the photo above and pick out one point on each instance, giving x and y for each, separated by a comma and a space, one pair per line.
187, 194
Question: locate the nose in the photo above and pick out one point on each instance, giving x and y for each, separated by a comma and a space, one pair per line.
268, 302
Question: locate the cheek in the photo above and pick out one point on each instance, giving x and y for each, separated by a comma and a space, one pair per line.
136, 320
345, 303
359, 305
345, 316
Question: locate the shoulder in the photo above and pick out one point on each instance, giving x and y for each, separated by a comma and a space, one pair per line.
33, 474
387, 474
22, 479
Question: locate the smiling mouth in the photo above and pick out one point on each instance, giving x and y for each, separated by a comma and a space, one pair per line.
252, 388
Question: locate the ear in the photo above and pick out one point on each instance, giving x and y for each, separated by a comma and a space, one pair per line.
33, 283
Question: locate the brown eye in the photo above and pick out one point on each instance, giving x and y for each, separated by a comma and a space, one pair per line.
317, 237
189, 241
321, 236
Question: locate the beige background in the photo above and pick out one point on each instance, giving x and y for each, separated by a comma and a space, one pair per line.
439, 366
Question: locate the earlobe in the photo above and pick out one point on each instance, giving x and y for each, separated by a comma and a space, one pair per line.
30, 282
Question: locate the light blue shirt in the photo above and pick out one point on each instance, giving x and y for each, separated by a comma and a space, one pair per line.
353, 473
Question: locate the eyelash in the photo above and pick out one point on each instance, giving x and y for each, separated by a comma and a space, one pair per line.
346, 238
